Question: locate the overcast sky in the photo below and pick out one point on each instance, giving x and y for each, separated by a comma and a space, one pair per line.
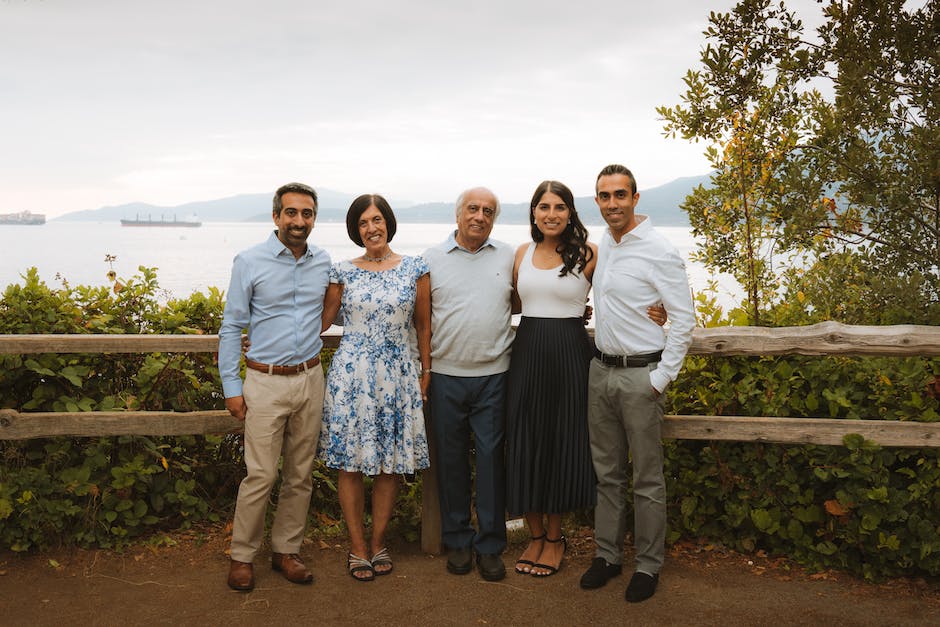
112, 101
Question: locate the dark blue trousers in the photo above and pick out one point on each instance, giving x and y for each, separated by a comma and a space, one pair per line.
459, 406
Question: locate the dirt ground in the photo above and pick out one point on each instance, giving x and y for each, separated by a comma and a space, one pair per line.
181, 581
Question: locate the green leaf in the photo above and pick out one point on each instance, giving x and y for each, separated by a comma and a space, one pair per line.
808, 514
812, 403
853, 441
762, 519
890, 542
794, 529
870, 522
36, 367
71, 375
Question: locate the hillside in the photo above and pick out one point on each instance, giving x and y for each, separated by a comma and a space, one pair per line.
660, 202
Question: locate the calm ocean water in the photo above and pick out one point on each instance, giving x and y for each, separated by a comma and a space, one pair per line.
194, 259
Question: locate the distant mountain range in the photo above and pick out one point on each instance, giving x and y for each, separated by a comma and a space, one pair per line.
662, 203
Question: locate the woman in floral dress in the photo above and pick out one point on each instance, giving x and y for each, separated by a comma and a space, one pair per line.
373, 420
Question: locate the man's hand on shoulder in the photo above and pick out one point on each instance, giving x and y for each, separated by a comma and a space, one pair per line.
236, 406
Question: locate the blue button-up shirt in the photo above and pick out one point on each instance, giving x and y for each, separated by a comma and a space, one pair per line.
280, 300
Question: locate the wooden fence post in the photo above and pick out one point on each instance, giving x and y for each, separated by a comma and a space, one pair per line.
430, 498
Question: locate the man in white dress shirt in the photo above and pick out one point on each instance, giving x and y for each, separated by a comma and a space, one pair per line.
634, 361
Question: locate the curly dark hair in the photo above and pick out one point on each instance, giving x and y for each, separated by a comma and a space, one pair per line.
574, 249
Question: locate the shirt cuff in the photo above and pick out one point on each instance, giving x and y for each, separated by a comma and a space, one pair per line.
659, 380
232, 388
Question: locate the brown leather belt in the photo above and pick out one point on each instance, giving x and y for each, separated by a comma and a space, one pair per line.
283, 370
628, 361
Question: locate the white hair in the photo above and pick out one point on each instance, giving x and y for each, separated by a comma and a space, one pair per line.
458, 207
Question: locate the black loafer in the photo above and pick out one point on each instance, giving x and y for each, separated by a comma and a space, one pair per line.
642, 586
599, 572
491, 566
460, 561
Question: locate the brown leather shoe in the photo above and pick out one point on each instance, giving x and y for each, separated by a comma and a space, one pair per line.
292, 567
241, 576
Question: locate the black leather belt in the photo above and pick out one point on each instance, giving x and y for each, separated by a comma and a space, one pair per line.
628, 361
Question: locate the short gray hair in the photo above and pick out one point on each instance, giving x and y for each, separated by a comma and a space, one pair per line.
458, 207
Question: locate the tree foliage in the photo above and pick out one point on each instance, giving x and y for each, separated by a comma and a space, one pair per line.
825, 148
879, 138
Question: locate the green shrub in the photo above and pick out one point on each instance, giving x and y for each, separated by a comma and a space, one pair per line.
106, 491
869, 510
862, 508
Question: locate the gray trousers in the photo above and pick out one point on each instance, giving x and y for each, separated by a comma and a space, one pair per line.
624, 416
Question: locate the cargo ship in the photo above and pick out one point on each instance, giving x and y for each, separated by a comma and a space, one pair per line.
23, 217
189, 222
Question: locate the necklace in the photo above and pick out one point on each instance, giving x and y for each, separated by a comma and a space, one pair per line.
378, 259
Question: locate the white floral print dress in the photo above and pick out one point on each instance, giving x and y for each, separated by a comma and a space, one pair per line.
373, 421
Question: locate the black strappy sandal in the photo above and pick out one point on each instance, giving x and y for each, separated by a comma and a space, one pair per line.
528, 563
551, 569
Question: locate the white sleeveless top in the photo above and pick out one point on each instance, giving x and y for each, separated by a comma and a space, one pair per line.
544, 294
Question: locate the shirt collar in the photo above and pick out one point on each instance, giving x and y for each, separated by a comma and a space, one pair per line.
451, 243
277, 248
640, 231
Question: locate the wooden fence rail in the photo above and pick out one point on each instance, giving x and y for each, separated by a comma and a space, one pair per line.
782, 430
827, 338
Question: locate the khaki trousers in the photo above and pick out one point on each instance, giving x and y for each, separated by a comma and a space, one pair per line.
283, 420
624, 416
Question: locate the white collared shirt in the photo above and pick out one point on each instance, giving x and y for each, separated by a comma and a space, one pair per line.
643, 269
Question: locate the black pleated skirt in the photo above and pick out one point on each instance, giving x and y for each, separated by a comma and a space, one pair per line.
548, 449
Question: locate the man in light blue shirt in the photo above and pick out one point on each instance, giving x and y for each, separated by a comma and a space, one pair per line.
276, 292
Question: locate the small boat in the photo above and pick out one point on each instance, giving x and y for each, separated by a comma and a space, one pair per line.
193, 221
23, 217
